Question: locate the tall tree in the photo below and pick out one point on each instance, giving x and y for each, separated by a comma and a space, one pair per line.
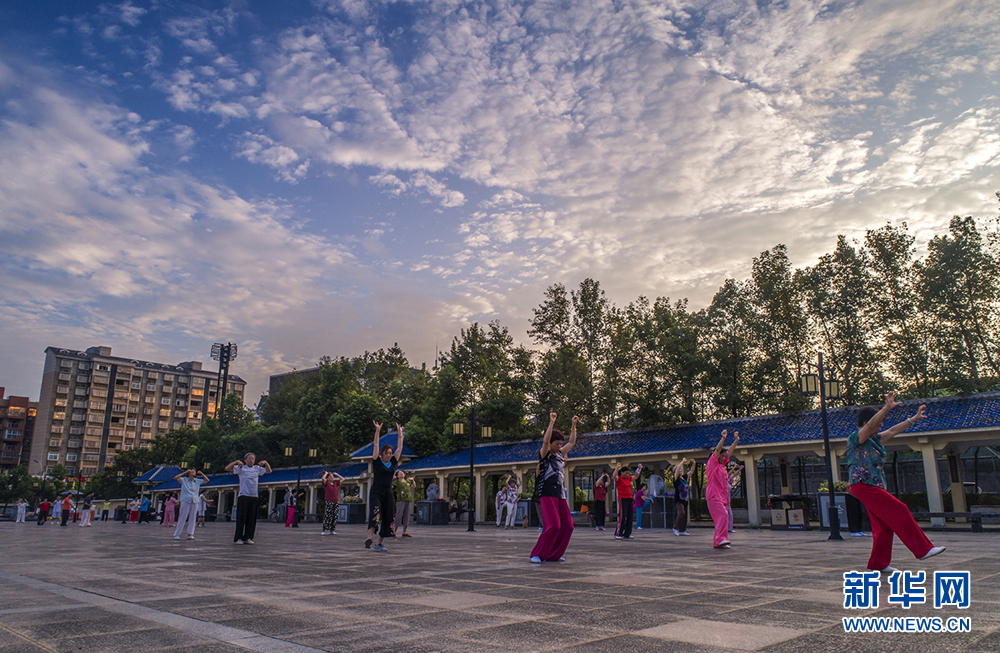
838, 301
901, 327
959, 284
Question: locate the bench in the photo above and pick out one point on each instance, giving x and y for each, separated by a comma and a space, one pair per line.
975, 518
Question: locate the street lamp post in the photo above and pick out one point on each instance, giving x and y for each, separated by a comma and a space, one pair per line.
298, 481
813, 384
458, 428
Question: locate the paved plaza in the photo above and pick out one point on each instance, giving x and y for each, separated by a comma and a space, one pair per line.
132, 588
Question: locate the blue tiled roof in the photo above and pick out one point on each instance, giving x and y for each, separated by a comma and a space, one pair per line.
943, 414
158, 474
365, 452
282, 475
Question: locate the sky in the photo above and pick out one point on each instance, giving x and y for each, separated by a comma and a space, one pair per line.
328, 177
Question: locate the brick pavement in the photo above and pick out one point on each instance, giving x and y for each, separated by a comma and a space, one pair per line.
119, 587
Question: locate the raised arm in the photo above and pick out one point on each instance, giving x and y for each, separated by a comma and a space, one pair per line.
233, 465
265, 465
875, 423
378, 431
572, 437
732, 447
202, 474
718, 447
399, 442
178, 477
618, 471
548, 436
888, 434
337, 476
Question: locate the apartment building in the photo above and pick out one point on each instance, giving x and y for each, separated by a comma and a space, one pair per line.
93, 404
17, 422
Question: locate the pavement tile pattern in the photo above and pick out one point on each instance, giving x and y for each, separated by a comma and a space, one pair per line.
117, 587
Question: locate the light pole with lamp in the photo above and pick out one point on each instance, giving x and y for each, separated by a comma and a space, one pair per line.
224, 353
298, 481
818, 384
458, 428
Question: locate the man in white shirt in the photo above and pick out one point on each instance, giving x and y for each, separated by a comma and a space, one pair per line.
190, 489
247, 499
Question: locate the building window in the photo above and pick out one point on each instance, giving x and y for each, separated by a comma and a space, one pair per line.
147, 423
71, 457
164, 401
130, 422
53, 456
150, 387
104, 368
181, 402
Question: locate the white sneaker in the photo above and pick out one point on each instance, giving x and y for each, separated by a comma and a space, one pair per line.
248, 541
887, 570
323, 533
536, 560
177, 537
685, 534
858, 534
676, 532
190, 537
933, 552
638, 528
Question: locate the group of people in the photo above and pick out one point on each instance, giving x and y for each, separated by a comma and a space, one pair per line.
62, 509
865, 456
390, 499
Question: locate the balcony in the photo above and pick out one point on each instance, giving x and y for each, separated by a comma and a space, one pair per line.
65, 376
76, 430
73, 444
62, 389
55, 442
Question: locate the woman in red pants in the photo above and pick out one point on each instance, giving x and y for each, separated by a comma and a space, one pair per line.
888, 515
556, 517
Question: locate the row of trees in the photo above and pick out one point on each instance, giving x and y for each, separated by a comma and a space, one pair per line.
885, 319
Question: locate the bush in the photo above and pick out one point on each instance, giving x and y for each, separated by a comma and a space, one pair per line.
353, 500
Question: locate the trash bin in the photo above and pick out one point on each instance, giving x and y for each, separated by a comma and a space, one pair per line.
432, 513
352, 513
660, 514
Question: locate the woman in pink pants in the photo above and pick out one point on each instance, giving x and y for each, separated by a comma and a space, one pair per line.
865, 456
556, 517
168, 510
717, 489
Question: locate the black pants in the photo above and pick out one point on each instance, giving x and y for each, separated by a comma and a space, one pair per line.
143, 516
42, 516
681, 520
625, 513
246, 518
600, 513
855, 514
104, 515
381, 500
65, 517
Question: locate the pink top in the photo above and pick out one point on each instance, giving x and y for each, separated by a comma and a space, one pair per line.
717, 478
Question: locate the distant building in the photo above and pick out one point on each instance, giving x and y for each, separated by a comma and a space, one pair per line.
93, 404
17, 422
278, 381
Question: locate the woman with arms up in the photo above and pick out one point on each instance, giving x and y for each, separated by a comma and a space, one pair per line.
384, 464
556, 517
888, 515
717, 489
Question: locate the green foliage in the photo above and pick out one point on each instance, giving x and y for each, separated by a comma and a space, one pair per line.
579, 496
882, 319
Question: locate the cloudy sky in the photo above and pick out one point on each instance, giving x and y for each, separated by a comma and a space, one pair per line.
308, 178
